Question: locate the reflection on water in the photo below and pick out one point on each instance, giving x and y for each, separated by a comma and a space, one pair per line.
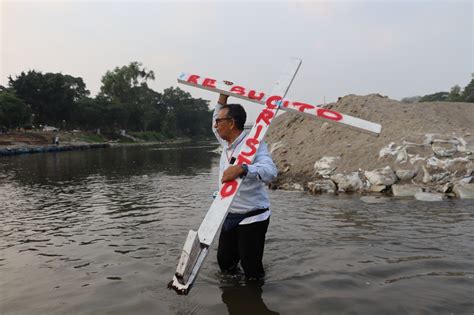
245, 299
100, 231
116, 162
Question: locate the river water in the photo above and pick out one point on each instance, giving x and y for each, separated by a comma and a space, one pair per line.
101, 231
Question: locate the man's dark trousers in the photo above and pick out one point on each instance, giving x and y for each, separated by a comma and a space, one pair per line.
244, 243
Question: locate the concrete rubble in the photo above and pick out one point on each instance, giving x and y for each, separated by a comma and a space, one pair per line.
412, 157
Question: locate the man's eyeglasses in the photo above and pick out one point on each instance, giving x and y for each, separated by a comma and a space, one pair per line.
218, 120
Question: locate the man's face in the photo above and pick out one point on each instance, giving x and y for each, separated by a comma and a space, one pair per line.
223, 124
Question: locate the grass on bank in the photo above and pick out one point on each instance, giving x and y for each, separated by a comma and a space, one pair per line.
149, 136
92, 138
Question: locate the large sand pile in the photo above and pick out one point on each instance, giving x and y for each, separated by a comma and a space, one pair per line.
299, 141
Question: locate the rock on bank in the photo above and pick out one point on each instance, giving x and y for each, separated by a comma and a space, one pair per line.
426, 145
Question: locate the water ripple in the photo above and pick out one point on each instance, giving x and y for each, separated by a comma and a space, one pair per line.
103, 234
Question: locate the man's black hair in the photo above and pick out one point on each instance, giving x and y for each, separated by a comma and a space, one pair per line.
237, 113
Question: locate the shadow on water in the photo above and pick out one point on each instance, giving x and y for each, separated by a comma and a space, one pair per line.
245, 299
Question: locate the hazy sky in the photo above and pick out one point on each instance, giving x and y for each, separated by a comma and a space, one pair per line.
396, 48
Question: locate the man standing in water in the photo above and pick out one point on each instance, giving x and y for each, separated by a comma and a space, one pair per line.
243, 232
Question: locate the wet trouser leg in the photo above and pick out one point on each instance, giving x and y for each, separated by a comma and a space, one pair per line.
245, 243
251, 247
228, 250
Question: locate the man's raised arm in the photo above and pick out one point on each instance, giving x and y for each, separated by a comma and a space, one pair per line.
223, 99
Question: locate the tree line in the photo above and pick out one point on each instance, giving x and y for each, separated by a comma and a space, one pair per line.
456, 94
125, 101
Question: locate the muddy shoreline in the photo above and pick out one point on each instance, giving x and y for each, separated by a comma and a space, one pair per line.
29, 142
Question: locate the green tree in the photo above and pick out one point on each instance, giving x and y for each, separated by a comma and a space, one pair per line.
455, 94
169, 128
91, 113
13, 111
154, 110
51, 96
436, 97
118, 85
204, 117
172, 100
468, 93
145, 109
191, 116
127, 87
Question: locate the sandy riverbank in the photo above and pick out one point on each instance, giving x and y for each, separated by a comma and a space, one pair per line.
427, 145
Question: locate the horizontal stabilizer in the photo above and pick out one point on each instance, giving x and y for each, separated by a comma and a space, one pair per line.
278, 101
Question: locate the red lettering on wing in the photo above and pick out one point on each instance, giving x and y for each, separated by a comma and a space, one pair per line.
253, 95
238, 90
302, 106
229, 188
271, 99
242, 160
259, 129
251, 143
193, 78
209, 82
265, 115
328, 114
